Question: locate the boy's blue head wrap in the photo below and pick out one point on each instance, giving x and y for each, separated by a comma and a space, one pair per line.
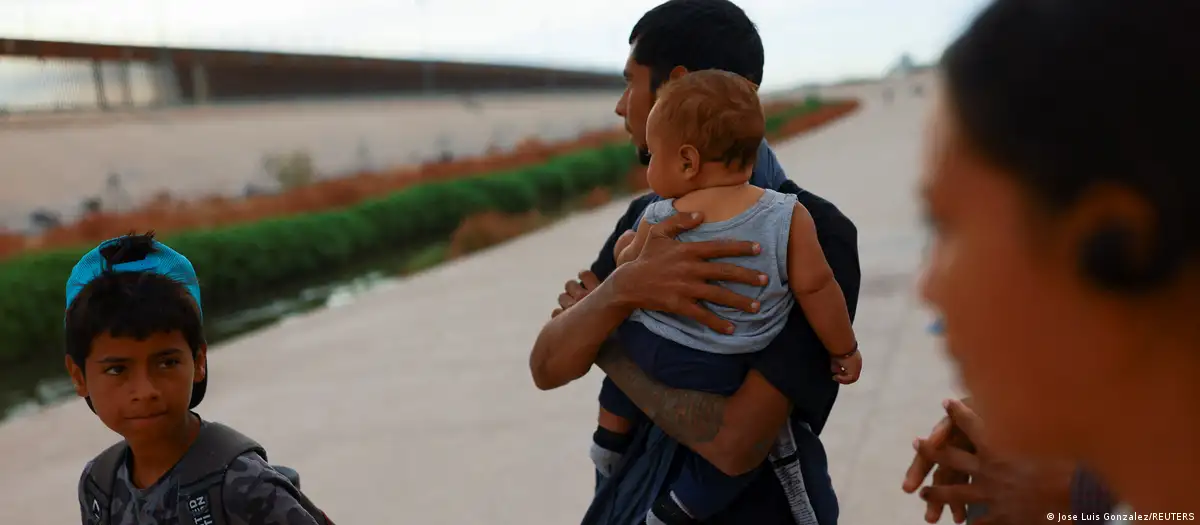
162, 260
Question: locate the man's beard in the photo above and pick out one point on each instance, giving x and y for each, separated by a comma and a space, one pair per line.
643, 154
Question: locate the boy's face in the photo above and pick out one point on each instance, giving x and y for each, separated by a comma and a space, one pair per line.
140, 389
673, 165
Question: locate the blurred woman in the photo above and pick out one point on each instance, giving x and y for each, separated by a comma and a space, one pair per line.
1063, 172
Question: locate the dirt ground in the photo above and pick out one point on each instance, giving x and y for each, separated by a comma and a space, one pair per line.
56, 161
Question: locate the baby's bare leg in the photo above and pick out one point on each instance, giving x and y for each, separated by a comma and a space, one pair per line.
610, 441
613, 423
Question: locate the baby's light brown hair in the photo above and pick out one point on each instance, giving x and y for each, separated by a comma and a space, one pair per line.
715, 111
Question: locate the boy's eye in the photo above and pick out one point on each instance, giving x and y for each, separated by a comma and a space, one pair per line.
114, 370
169, 362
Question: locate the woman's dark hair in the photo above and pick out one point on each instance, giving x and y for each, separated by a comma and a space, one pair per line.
130, 304
1070, 95
698, 35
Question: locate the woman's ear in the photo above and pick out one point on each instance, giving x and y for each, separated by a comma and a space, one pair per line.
1119, 241
77, 379
689, 161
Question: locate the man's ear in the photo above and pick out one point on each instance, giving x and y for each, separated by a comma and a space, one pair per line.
677, 73
201, 364
76, 373
689, 159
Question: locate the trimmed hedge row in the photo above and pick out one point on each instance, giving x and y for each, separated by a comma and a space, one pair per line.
254, 259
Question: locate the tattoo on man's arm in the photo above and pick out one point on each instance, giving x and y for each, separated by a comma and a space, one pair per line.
688, 416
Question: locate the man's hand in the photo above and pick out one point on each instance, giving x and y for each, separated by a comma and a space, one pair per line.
672, 276
575, 291
1015, 492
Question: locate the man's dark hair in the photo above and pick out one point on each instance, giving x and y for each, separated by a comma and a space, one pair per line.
1068, 96
130, 304
698, 35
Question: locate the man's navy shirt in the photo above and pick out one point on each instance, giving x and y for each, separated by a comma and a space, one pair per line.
795, 363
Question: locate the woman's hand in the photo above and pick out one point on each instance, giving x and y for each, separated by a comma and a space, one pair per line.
1014, 492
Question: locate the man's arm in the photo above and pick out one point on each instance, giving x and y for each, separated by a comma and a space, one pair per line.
552, 369
567, 345
734, 434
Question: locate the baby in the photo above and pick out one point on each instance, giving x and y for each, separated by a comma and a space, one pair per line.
703, 134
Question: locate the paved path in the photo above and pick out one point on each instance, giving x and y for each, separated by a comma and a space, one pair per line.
413, 404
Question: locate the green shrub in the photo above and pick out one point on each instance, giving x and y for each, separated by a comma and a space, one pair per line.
777, 120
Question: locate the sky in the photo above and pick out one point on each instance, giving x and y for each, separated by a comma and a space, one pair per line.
805, 40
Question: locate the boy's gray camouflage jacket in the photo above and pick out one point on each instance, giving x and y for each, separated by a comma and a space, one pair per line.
253, 493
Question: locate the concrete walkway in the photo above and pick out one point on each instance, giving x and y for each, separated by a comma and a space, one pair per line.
414, 404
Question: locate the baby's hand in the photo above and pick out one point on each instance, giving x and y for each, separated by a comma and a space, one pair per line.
623, 242
846, 369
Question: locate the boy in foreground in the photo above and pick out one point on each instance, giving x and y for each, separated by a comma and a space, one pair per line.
136, 352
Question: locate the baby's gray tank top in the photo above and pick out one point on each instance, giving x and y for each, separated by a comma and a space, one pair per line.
769, 223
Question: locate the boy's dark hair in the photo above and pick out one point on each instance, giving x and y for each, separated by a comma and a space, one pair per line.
716, 111
698, 35
1071, 95
130, 304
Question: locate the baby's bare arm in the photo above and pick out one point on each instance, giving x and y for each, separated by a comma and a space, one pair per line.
629, 246
816, 291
